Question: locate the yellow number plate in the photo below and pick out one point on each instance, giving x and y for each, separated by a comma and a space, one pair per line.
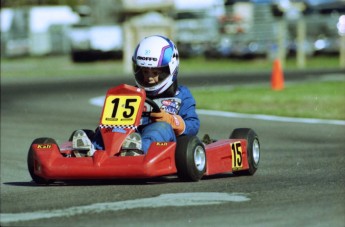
120, 110
236, 149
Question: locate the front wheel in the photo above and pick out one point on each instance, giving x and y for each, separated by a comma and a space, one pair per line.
190, 158
32, 164
253, 149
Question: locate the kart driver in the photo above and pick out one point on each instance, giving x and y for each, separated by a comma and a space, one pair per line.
155, 66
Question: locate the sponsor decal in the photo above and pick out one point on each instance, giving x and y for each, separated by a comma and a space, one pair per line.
168, 102
171, 106
44, 146
111, 119
119, 130
162, 144
147, 58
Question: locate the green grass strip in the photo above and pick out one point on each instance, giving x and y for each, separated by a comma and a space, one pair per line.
324, 100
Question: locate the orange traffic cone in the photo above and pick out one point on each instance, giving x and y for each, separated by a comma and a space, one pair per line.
277, 78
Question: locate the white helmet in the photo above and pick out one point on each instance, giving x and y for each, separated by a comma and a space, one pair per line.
156, 52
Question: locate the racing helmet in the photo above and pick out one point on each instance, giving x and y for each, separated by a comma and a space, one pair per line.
160, 54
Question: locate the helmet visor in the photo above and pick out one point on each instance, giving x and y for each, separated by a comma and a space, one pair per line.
149, 77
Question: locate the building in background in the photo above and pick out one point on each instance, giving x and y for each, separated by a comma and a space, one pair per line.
196, 25
214, 28
95, 37
36, 31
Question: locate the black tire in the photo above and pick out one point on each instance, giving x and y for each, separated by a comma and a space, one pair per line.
190, 158
31, 162
253, 149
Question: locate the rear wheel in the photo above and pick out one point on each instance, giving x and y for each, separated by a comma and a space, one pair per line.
190, 158
31, 161
253, 149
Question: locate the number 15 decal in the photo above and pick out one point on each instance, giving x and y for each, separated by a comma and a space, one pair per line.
120, 110
236, 149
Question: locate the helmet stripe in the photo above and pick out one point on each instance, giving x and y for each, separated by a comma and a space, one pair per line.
166, 39
165, 56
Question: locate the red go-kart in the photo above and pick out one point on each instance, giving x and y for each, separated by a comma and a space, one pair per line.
189, 158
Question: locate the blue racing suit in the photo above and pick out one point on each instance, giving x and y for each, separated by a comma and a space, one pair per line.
182, 104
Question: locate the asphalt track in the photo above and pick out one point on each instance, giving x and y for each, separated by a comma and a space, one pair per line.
300, 180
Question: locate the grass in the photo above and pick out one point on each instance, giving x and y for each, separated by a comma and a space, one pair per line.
62, 66
57, 66
203, 65
323, 100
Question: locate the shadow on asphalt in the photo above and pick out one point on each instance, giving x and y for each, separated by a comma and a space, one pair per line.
98, 182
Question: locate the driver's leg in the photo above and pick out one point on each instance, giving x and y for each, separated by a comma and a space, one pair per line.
156, 132
98, 141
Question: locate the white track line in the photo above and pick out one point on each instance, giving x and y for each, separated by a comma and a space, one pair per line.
164, 200
269, 117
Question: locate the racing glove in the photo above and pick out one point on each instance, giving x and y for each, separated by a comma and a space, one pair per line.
174, 120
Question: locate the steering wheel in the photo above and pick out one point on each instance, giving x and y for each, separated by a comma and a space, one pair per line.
155, 107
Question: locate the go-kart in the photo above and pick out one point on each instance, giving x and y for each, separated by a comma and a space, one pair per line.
189, 157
